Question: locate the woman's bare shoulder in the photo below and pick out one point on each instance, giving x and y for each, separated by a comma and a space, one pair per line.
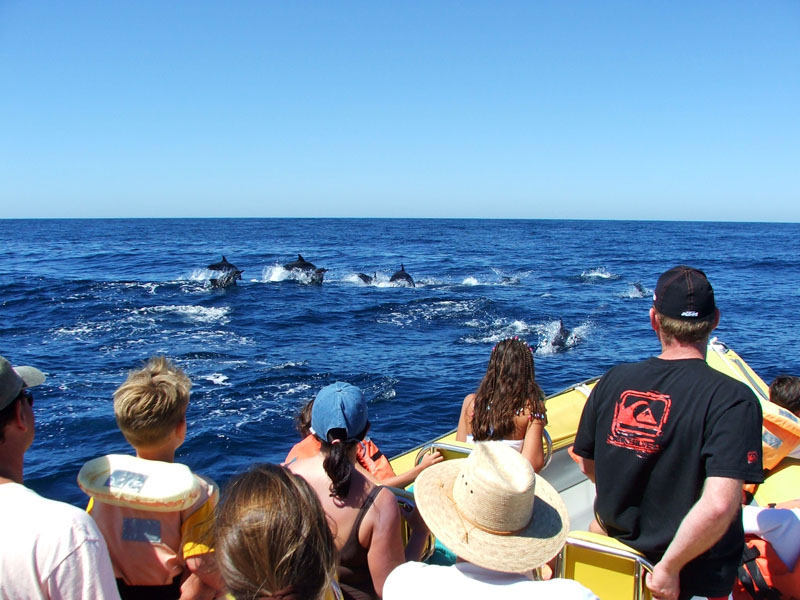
384, 509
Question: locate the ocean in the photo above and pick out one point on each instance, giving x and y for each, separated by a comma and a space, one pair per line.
88, 300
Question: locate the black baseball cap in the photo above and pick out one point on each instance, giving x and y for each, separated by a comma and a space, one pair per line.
684, 293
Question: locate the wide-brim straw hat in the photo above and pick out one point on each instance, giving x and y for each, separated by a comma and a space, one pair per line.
492, 510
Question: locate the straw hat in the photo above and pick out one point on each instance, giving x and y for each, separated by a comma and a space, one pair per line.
492, 510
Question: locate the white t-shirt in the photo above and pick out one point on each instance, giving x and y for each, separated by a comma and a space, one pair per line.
465, 580
50, 550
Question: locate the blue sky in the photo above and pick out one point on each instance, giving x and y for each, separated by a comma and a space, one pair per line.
564, 109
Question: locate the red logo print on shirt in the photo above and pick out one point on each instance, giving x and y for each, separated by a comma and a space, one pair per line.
639, 419
752, 457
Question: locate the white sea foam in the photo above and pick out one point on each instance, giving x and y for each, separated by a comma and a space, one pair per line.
378, 279
636, 290
200, 275
218, 379
289, 364
274, 273
498, 329
598, 274
430, 311
510, 278
470, 281
293, 388
207, 314
77, 330
553, 340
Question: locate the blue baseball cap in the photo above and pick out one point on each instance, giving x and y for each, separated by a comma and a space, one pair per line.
339, 406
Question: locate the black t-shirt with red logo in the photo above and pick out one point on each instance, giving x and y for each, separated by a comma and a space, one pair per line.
656, 430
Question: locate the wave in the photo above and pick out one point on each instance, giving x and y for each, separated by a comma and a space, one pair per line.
546, 338
217, 379
426, 311
205, 314
598, 274
636, 290
276, 273
288, 365
497, 330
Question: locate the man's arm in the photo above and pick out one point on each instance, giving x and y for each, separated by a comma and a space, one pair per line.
701, 528
586, 464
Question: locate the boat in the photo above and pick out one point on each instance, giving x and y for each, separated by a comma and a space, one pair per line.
611, 569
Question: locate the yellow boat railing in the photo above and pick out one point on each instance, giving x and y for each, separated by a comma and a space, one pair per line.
461, 450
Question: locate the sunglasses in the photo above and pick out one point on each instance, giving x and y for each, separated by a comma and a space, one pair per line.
28, 395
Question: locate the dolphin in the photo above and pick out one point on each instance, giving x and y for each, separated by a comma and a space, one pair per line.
366, 278
560, 340
229, 273
564, 338
640, 289
402, 278
302, 265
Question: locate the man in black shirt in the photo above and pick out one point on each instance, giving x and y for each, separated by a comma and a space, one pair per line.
669, 442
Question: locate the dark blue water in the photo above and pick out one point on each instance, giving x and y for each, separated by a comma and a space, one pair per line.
88, 300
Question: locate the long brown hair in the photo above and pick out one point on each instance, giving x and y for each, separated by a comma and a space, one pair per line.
336, 463
272, 537
508, 388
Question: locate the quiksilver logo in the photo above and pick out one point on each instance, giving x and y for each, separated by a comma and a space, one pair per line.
690, 313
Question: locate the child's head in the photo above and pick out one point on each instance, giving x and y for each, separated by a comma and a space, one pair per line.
785, 391
273, 538
303, 419
152, 402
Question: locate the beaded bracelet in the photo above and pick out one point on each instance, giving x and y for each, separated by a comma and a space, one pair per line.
540, 417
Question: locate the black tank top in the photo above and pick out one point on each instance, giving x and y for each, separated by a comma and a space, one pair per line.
353, 566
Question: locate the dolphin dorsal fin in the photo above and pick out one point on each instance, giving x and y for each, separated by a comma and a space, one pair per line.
224, 259
300, 257
402, 267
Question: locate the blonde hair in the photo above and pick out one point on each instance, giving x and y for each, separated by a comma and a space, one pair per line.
686, 332
272, 537
152, 402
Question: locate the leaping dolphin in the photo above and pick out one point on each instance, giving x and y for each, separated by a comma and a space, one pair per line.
302, 265
229, 273
564, 338
559, 341
402, 278
366, 278
640, 289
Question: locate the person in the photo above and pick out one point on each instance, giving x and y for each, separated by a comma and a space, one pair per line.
509, 404
778, 524
49, 549
364, 517
785, 392
368, 456
272, 538
502, 521
669, 442
159, 554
